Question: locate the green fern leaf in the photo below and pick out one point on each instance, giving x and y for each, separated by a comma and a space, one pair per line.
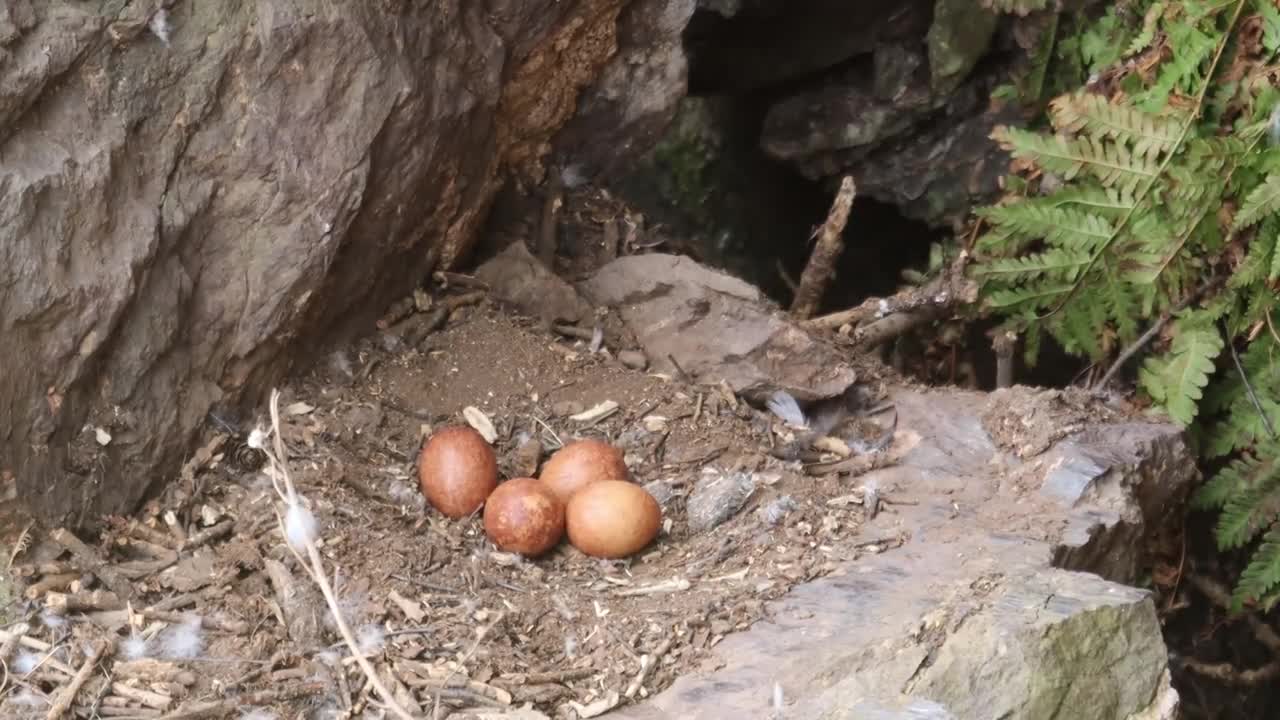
1270, 26
1261, 575
1229, 482
1148, 32
1064, 227
1261, 202
1057, 264
1030, 297
1088, 113
1112, 163
1251, 509
1179, 378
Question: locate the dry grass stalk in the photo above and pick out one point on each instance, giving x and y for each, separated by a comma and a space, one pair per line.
313, 563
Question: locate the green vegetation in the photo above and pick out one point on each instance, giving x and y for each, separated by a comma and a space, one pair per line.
1152, 193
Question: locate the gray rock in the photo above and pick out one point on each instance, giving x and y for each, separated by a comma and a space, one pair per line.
662, 490
716, 327
716, 498
182, 216
970, 618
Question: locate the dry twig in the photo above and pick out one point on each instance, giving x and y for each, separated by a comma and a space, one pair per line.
817, 274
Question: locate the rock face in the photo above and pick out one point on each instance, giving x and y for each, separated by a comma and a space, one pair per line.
989, 608
193, 194
716, 328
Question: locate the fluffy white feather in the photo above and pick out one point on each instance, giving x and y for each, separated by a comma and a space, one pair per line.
782, 404
300, 526
183, 641
135, 647
370, 639
160, 25
24, 662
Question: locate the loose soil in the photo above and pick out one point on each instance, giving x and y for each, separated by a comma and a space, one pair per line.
433, 601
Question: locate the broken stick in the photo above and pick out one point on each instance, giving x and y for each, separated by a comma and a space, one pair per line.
822, 263
68, 694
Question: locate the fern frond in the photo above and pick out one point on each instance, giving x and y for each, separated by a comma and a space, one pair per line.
1178, 379
1060, 226
1262, 201
1112, 163
1191, 47
1057, 263
1261, 575
1251, 509
1027, 297
1093, 114
1148, 32
1229, 482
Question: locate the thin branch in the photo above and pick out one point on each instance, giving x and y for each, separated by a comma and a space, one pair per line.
316, 566
1150, 334
1248, 387
817, 274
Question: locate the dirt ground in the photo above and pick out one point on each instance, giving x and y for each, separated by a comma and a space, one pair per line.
230, 614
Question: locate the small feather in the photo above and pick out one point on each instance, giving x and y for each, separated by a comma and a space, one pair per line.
184, 641
300, 527
787, 409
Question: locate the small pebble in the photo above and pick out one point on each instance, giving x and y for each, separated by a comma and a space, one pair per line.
717, 498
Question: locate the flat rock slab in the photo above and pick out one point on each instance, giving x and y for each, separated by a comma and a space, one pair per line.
714, 327
970, 617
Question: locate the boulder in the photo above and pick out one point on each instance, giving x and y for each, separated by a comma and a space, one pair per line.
196, 197
982, 612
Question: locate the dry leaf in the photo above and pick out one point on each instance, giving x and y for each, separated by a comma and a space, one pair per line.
480, 422
411, 608
298, 408
597, 413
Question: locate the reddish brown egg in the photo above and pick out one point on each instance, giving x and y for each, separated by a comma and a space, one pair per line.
457, 470
524, 516
581, 463
612, 519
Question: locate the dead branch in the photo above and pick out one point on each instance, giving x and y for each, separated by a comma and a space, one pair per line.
50, 568
50, 583
446, 279
1220, 596
879, 320
209, 534
68, 693
822, 263
1228, 674
1003, 344
225, 708
647, 663
547, 240
89, 559
63, 603
856, 465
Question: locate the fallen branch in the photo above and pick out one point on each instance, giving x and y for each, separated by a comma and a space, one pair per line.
92, 562
878, 320
68, 694
822, 263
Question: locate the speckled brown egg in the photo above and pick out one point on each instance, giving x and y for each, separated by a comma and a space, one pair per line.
612, 519
581, 463
457, 470
524, 516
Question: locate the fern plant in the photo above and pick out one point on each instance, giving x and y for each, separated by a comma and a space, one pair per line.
1152, 200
